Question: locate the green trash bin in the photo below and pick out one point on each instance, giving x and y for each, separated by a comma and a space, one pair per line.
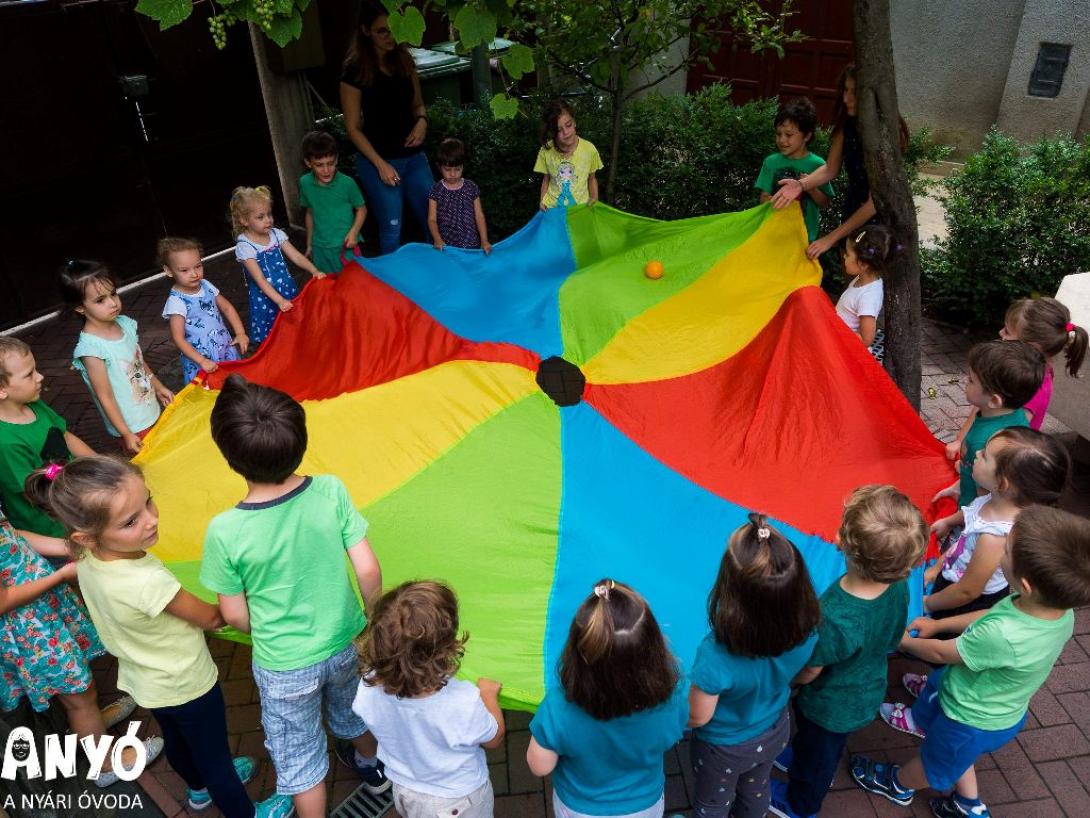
442, 75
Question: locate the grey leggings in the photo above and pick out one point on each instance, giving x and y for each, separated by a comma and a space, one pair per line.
732, 779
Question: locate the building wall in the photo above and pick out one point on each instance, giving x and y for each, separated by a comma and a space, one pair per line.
953, 58
1056, 21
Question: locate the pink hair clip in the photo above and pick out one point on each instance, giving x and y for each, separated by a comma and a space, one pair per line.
52, 470
1070, 327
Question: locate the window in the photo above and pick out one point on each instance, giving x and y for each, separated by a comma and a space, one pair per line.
1048, 73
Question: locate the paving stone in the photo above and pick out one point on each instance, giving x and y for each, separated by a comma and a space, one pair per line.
519, 775
1049, 743
1047, 709
1069, 678
1065, 786
529, 805
1038, 808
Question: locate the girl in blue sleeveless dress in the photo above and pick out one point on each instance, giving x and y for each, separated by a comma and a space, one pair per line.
261, 249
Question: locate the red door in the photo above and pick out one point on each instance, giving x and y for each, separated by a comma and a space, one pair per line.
808, 68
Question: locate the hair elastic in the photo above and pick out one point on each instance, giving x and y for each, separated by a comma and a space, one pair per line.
764, 532
52, 470
602, 590
1070, 327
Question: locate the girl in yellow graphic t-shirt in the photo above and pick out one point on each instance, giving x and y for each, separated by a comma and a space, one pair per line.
568, 163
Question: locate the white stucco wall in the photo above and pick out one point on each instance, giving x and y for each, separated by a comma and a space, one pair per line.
952, 59
1051, 21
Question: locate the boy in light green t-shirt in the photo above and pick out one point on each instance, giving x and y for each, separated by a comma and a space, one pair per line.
795, 124
980, 701
277, 562
334, 206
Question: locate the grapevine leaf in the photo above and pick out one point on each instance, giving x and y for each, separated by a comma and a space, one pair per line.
407, 26
475, 26
285, 29
518, 60
504, 107
166, 12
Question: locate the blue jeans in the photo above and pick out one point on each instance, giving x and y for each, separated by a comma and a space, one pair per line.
386, 202
195, 739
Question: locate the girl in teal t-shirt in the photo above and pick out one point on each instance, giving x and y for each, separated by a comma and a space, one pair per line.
620, 704
763, 614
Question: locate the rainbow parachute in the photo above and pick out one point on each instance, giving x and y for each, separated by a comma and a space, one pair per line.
726, 386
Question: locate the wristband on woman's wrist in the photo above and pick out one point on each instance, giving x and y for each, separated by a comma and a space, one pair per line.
423, 117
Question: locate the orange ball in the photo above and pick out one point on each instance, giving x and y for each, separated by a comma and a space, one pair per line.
653, 269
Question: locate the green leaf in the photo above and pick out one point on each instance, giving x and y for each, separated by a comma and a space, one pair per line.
391, 6
285, 29
518, 60
475, 26
166, 12
504, 107
408, 26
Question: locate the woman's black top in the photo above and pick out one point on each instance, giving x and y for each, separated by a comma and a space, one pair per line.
858, 190
387, 108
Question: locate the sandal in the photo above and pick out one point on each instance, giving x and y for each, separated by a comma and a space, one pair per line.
914, 683
879, 779
899, 717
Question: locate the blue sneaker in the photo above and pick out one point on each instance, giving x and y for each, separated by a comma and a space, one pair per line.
880, 779
276, 806
951, 806
784, 759
779, 805
246, 768
373, 776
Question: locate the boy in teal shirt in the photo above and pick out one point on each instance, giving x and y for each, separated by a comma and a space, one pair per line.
32, 435
795, 124
334, 205
882, 537
980, 700
277, 562
1003, 376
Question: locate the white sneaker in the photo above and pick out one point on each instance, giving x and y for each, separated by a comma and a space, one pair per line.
117, 711
152, 746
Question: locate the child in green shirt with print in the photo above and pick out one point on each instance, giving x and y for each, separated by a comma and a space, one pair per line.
980, 700
334, 205
795, 124
882, 537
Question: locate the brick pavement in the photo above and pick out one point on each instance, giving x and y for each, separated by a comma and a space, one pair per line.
1040, 775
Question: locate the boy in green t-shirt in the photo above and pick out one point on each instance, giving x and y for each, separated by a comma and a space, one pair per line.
32, 435
277, 562
882, 537
334, 205
1003, 376
979, 701
795, 124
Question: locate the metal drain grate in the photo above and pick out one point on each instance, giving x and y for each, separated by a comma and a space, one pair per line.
361, 804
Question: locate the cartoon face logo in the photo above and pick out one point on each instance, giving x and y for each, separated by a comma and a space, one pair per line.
20, 749
566, 172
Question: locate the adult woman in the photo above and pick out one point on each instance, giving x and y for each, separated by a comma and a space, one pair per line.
386, 120
845, 149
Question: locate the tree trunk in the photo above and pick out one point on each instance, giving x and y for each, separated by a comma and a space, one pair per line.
879, 127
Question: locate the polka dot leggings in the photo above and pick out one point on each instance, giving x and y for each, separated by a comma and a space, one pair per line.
732, 779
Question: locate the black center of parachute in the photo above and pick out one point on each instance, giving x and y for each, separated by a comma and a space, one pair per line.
561, 380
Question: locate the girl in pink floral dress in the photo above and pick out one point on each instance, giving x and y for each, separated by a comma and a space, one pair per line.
47, 640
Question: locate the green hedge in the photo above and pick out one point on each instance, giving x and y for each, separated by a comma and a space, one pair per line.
1019, 221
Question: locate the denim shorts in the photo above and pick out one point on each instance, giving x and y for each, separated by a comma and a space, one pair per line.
291, 714
951, 747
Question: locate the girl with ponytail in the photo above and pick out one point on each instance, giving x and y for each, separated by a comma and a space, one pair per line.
763, 614
619, 706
